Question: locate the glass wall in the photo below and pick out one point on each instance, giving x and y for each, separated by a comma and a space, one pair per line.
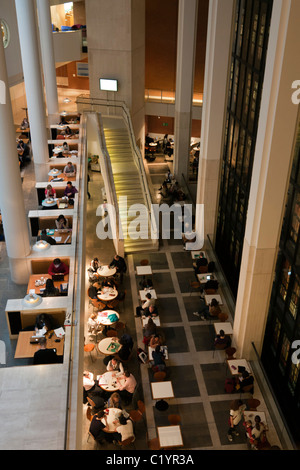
251, 33
283, 325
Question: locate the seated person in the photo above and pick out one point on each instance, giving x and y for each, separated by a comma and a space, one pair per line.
92, 324
50, 192
100, 430
124, 352
119, 263
206, 311
58, 267
91, 389
201, 261
61, 222
46, 238
65, 147
70, 190
115, 366
149, 301
149, 330
212, 283
244, 381
95, 264
124, 427
150, 311
146, 284
45, 355
222, 339
62, 121
50, 289
158, 359
69, 169
25, 123
127, 388
92, 292
68, 131
155, 340
43, 320
114, 401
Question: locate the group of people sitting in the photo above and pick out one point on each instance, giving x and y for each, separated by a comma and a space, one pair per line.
171, 191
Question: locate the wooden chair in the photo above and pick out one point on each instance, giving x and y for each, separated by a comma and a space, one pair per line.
253, 404
92, 403
223, 316
248, 389
210, 291
159, 376
89, 348
174, 419
127, 442
120, 326
230, 352
194, 285
113, 304
219, 347
89, 414
153, 444
144, 262
111, 334
203, 269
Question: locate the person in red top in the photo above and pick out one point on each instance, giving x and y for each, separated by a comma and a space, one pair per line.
58, 267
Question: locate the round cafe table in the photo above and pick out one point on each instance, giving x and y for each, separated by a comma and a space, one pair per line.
108, 381
106, 271
112, 414
54, 172
103, 317
109, 346
49, 202
107, 294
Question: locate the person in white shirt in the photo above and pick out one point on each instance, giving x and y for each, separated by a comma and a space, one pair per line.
149, 301
125, 428
115, 365
126, 389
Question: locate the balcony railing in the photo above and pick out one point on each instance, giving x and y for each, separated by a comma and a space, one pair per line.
168, 97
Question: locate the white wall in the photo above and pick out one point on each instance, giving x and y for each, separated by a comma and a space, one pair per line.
67, 46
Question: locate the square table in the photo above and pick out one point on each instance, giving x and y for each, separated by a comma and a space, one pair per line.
163, 349
143, 293
25, 349
202, 278
37, 277
144, 270
225, 326
233, 365
169, 436
162, 390
156, 320
208, 299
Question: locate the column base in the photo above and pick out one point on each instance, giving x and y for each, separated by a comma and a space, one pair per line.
19, 270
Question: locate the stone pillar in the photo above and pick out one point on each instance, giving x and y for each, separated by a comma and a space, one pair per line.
118, 51
186, 44
271, 172
218, 53
26, 17
48, 59
11, 193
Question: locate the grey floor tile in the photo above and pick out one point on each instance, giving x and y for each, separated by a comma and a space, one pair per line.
203, 336
182, 260
192, 304
176, 339
214, 377
184, 279
168, 310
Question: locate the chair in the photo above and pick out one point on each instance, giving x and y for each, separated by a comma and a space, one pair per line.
223, 316
153, 444
120, 326
89, 414
248, 389
127, 442
89, 348
230, 353
219, 347
174, 419
253, 404
91, 402
111, 334
144, 262
194, 285
210, 291
159, 376
203, 269
113, 304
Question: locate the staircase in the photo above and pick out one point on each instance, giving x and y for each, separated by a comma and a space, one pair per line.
128, 183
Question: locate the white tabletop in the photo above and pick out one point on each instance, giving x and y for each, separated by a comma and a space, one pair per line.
148, 291
225, 326
143, 270
102, 317
113, 413
106, 271
251, 415
54, 172
162, 390
233, 365
195, 254
169, 436
156, 320
208, 299
107, 294
108, 381
104, 344
163, 349
202, 278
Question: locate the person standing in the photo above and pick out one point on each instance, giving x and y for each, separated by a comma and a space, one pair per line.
235, 415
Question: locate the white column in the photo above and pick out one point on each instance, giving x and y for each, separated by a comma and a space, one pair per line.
186, 44
270, 176
218, 55
26, 17
11, 193
48, 59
